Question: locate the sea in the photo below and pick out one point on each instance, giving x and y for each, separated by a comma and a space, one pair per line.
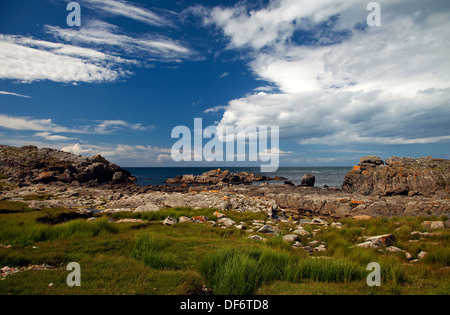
330, 176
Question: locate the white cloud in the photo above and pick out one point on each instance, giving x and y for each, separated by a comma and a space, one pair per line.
126, 9
142, 47
14, 94
27, 123
342, 83
125, 155
26, 59
109, 126
214, 109
49, 136
47, 127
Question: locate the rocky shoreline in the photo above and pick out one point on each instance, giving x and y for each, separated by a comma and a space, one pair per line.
44, 178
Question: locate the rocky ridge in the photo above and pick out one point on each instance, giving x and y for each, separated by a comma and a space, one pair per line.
400, 176
72, 182
30, 165
219, 177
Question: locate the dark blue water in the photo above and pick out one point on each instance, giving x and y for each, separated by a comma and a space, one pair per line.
330, 176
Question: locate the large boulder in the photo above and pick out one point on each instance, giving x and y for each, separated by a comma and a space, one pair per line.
308, 180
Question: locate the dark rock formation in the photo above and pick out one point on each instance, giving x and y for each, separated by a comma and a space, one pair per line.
218, 176
30, 165
399, 176
308, 180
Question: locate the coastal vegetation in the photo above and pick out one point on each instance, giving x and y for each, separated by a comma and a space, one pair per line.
147, 257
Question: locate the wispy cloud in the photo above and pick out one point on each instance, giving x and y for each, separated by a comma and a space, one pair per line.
47, 127
27, 59
143, 48
126, 155
214, 109
111, 126
52, 137
126, 9
27, 123
14, 94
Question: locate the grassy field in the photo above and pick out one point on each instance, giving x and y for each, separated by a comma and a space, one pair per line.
189, 258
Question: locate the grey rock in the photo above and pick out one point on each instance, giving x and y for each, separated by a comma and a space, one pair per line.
267, 229
308, 180
433, 225
393, 249
301, 232
170, 221
383, 240
184, 219
226, 221
149, 207
422, 254
321, 248
291, 238
257, 237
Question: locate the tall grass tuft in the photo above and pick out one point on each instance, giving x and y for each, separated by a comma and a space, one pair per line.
25, 233
232, 272
438, 255
148, 249
330, 270
243, 271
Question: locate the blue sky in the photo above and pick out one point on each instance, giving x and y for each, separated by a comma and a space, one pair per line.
118, 84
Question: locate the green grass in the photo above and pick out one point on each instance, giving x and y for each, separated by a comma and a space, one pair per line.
148, 249
133, 258
12, 206
189, 212
25, 233
164, 213
243, 272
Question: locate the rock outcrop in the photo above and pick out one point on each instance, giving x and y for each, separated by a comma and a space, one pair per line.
31, 165
399, 176
308, 180
218, 176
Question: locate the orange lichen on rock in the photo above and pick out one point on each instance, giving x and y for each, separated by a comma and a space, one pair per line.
200, 218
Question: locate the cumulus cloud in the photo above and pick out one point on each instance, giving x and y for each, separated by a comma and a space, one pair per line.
338, 80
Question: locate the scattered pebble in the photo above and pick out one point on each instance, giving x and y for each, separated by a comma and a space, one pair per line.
6, 271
